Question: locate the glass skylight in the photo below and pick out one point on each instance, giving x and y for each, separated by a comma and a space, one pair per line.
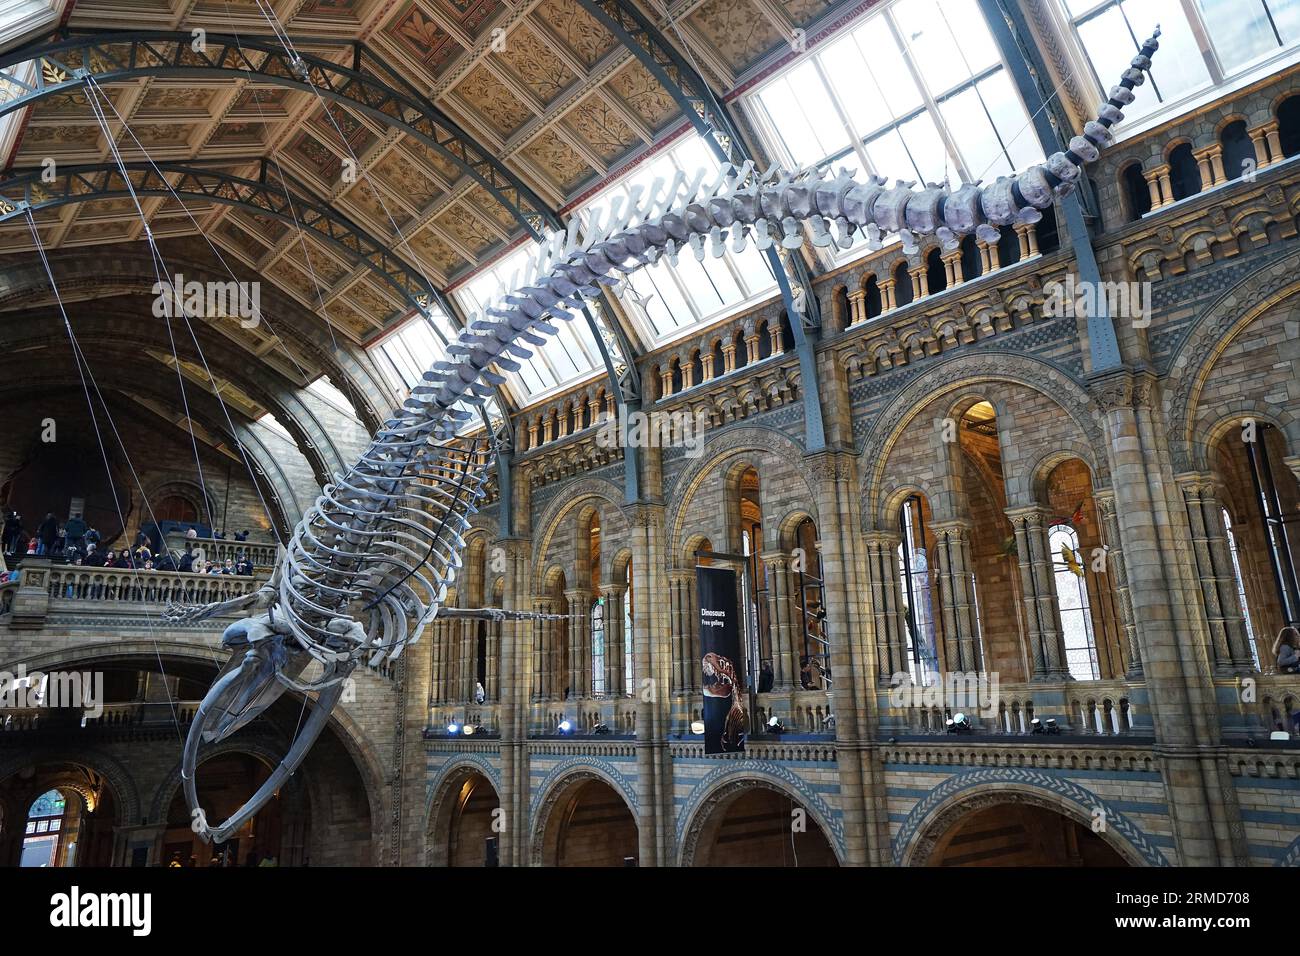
668, 301
916, 91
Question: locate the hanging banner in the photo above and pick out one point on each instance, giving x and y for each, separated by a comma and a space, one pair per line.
724, 671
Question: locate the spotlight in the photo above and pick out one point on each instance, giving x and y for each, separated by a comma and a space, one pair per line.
960, 724
600, 728
453, 729
467, 730
1047, 726
565, 728
774, 726
697, 727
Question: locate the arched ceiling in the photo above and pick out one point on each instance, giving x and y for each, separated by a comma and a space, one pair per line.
539, 85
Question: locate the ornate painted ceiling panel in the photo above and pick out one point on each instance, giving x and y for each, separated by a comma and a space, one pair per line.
540, 84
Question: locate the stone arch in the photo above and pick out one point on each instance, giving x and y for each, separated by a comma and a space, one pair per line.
1036, 482
574, 495
724, 784
198, 496
1213, 430
1195, 355
127, 801
438, 808
931, 817
562, 780
746, 439
788, 526
959, 374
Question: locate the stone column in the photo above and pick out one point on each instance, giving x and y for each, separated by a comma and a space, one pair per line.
774, 336
888, 300
1223, 613
1273, 136
728, 357
1154, 530
518, 661
680, 583
665, 382
990, 258
1152, 177
491, 687
889, 617
783, 610
1259, 139
1042, 618
578, 679
857, 306
952, 267
957, 597
614, 638
541, 649
751, 348
920, 281
1027, 233
1119, 581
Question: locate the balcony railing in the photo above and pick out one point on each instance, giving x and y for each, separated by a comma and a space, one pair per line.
218, 550
145, 587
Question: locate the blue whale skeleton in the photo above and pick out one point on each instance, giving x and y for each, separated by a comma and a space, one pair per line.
382, 543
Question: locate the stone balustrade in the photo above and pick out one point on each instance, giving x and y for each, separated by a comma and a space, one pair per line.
218, 550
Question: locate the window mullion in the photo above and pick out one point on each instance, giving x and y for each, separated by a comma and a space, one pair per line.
930, 104
854, 138
1208, 53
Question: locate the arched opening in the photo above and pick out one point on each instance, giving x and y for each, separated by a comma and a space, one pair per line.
697, 368
764, 341
64, 829
971, 265
1008, 247
919, 601
1048, 232
903, 291
590, 825
749, 516
936, 275
809, 586
760, 826
1137, 193
1022, 835
1184, 173
471, 833
873, 302
1288, 123
1238, 150
629, 658
743, 357
1090, 620
719, 359
175, 508
1262, 498
276, 834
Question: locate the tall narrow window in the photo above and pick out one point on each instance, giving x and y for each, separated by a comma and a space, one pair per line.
44, 831
598, 647
1241, 585
628, 660
914, 574
1072, 600
1270, 491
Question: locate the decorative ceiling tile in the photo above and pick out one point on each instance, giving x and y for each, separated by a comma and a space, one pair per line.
373, 303
644, 95
316, 157
98, 231
436, 252
529, 58
267, 228
416, 31
486, 94
238, 134
468, 232
317, 262
804, 11
333, 120
330, 8
557, 160
470, 15
377, 208
107, 207
736, 30
404, 177
246, 244
157, 134
429, 156
60, 137
293, 276
173, 99
74, 103
488, 206
577, 28
596, 123
261, 100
